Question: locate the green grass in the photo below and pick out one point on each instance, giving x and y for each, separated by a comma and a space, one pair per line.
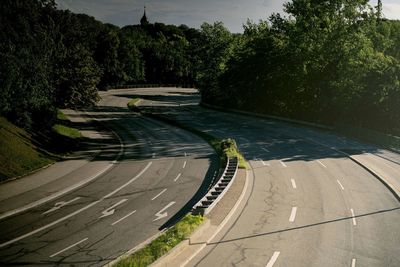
18, 154
164, 243
132, 104
67, 131
61, 116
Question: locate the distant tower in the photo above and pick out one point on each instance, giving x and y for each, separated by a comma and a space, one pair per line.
143, 20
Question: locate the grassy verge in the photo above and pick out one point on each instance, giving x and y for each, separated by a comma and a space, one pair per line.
164, 243
224, 148
19, 153
132, 104
23, 152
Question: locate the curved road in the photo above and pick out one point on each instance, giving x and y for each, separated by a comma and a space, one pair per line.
155, 171
307, 203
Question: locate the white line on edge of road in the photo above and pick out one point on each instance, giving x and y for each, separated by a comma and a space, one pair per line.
177, 177
68, 189
76, 212
283, 163
123, 218
354, 217
159, 194
65, 249
340, 184
353, 263
293, 214
184, 165
293, 183
321, 163
273, 259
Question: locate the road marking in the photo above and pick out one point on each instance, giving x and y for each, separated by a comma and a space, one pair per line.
283, 163
266, 150
177, 177
321, 163
123, 218
111, 210
340, 184
159, 194
353, 263
273, 259
65, 249
293, 183
184, 164
60, 204
76, 212
161, 215
293, 214
354, 217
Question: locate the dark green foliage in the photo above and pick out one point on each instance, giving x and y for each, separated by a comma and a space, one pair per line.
329, 61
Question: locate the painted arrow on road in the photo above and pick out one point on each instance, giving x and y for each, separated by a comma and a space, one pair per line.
60, 204
111, 210
160, 214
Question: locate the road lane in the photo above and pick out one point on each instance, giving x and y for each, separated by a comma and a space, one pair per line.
323, 233
115, 211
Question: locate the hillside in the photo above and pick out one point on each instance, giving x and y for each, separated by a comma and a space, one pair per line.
18, 154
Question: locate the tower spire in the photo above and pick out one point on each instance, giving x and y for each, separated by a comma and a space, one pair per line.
143, 20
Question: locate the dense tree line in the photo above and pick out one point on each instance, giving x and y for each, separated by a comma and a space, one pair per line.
53, 58
326, 61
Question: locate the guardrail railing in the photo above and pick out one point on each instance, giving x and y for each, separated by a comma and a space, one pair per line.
215, 194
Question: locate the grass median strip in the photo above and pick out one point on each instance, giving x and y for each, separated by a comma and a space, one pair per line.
164, 243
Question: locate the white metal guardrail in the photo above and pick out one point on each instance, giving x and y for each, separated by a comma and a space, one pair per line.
215, 194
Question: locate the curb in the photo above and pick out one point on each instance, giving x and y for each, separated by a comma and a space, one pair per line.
387, 184
167, 259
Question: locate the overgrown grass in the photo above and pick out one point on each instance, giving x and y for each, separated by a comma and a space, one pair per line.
132, 104
61, 116
18, 153
67, 131
164, 243
223, 148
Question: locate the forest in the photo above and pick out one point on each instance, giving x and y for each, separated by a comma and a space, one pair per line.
331, 62
52, 58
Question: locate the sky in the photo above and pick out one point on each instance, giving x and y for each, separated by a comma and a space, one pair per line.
233, 13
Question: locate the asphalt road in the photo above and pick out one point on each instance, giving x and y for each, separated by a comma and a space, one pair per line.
154, 171
308, 203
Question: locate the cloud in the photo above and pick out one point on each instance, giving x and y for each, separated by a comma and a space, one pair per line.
391, 11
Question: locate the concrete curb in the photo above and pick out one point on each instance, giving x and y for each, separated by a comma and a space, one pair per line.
382, 179
189, 248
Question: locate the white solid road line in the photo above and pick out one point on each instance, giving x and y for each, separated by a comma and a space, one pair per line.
65, 249
293, 183
266, 150
283, 163
321, 163
123, 218
353, 263
273, 259
340, 184
354, 217
177, 177
76, 212
159, 194
184, 165
293, 214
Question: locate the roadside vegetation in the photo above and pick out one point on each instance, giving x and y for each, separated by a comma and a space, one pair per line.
22, 152
224, 148
164, 243
132, 104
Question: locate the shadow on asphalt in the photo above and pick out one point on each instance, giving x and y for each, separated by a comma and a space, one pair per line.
299, 227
